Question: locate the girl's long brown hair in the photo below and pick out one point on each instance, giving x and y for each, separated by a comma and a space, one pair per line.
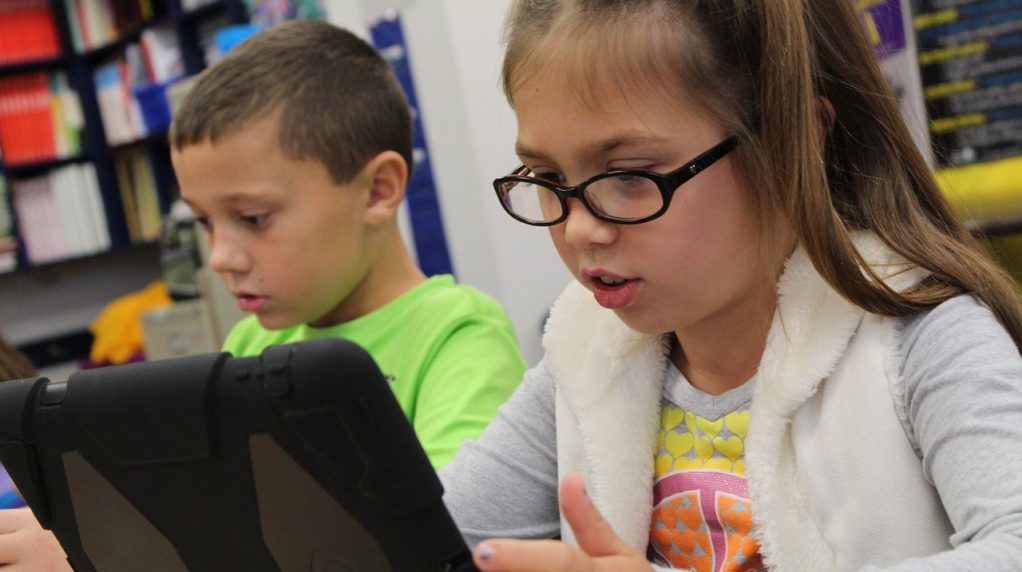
823, 141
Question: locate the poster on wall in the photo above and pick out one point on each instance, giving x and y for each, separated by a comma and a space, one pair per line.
970, 58
427, 224
970, 55
884, 22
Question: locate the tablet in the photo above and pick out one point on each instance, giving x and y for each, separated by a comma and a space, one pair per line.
299, 459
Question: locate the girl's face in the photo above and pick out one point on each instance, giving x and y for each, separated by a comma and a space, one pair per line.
703, 263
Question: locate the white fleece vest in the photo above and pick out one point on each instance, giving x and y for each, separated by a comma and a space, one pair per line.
835, 481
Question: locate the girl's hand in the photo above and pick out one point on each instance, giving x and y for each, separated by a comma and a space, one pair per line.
599, 548
25, 545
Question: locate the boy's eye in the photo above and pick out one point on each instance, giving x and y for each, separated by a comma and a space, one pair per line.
203, 222
255, 219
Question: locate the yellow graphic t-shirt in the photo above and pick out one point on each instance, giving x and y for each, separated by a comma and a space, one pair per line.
702, 517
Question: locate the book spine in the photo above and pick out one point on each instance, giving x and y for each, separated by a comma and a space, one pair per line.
27, 31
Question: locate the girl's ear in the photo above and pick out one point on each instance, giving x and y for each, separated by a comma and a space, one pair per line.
387, 174
825, 117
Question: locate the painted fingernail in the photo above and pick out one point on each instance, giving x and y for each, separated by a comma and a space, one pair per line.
485, 553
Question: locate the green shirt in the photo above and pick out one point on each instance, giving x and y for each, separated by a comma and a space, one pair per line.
448, 350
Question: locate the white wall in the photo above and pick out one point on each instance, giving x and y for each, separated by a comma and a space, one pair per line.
455, 52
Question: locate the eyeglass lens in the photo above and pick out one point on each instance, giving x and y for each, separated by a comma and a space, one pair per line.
625, 197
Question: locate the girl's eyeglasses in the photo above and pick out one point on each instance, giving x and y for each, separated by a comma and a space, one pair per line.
622, 196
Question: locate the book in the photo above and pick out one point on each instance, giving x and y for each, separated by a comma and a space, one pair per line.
95, 211
27, 31
8, 242
28, 208
122, 170
113, 107
60, 214
96, 23
40, 117
162, 54
136, 181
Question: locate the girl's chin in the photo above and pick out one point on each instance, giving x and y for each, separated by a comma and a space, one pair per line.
642, 322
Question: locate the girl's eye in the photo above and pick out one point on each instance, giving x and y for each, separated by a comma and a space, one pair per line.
203, 222
550, 176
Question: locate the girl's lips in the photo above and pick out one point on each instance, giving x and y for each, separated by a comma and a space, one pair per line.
251, 303
615, 296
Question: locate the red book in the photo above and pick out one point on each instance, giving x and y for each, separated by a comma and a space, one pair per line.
26, 119
28, 31
10, 88
39, 19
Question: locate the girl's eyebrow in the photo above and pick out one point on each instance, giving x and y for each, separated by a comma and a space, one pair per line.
603, 147
523, 151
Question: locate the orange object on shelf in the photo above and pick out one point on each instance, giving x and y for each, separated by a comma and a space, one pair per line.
117, 332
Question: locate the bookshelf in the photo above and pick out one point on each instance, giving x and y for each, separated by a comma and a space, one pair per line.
75, 168
70, 150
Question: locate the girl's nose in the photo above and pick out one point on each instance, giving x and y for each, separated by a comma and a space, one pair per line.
582, 229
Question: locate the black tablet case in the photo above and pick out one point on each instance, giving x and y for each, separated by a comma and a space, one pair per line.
299, 459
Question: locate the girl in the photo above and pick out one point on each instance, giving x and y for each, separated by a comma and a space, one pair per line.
783, 350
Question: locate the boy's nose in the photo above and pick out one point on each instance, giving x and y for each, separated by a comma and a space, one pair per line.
227, 258
582, 229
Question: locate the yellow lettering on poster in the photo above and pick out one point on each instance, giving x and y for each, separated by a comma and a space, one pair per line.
948, 89
947, 124
935, 18
945, 54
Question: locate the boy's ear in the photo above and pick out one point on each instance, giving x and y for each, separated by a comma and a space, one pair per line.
388, 175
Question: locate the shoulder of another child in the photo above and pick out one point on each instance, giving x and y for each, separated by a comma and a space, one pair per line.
466, 301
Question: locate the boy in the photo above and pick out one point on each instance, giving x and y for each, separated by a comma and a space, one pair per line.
293, 152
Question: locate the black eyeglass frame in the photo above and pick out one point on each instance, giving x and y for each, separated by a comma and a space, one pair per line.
667, 183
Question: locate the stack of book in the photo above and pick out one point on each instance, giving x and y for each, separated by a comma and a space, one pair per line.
27, 31
131, 89
96, 23
40, 118
137, 183
60, 214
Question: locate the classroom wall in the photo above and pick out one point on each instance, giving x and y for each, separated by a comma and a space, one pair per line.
455, 52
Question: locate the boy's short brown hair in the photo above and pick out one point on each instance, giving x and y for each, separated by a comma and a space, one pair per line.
335, 97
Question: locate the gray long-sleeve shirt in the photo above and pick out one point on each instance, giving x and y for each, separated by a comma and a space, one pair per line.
505, 484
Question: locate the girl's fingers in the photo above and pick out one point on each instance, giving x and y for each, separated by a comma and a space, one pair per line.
600, 548
529, 556
593, 533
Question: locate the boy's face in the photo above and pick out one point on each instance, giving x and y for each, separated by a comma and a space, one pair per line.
291, 243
